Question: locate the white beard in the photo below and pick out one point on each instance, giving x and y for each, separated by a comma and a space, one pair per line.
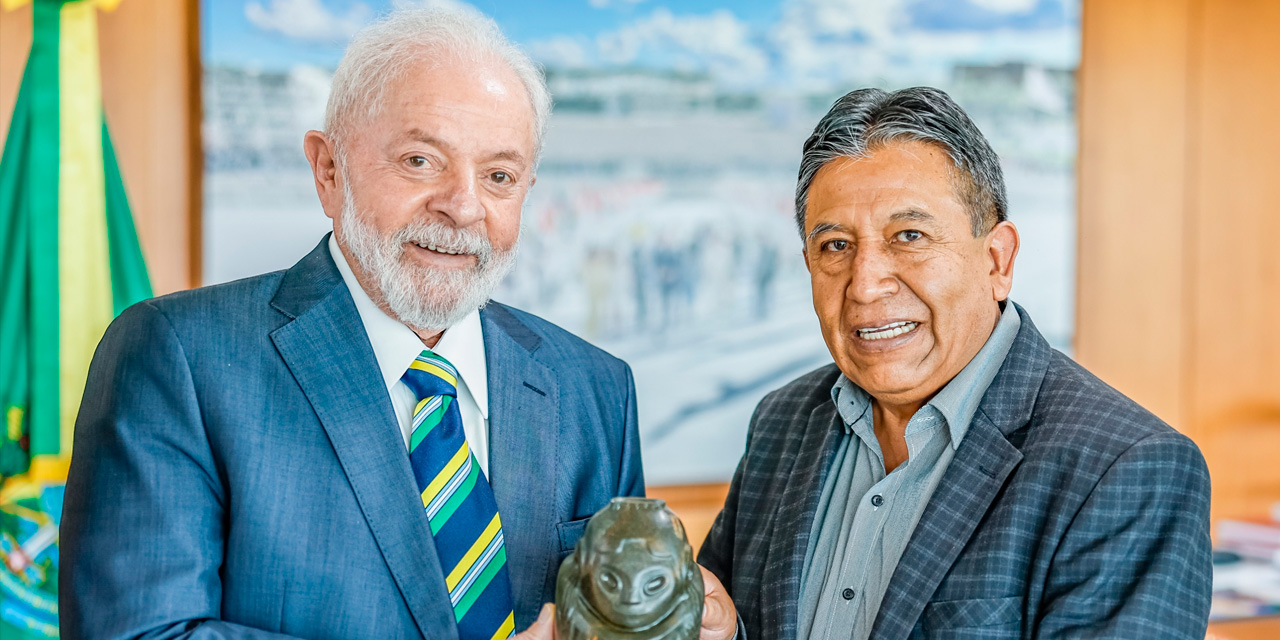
422, 298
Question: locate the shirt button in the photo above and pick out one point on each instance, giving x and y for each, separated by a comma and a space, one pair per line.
877, 500
847, 594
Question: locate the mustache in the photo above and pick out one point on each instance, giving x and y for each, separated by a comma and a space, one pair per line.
442, 236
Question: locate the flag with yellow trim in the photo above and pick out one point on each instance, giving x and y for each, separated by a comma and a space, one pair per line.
69, 262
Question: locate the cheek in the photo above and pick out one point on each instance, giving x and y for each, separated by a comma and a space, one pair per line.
828, 291
503, 225
388, 210
955, 293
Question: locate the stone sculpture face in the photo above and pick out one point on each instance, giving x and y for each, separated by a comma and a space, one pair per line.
631, 584
631, 576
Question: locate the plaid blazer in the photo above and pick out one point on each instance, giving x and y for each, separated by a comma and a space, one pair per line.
1068, 512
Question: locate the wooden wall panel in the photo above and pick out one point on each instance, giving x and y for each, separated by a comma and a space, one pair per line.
1132, 168
1179, 275
1234, 384
697, 505
15, 42
150, 92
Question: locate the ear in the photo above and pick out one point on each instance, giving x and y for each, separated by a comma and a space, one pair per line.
324, 168
1002, 249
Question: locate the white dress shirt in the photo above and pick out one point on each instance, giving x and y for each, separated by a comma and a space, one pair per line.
395, 346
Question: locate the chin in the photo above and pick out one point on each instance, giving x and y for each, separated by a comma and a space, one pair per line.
890, 386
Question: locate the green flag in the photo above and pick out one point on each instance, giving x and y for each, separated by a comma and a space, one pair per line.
69, 262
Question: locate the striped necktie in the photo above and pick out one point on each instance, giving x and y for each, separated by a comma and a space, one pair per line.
459, 503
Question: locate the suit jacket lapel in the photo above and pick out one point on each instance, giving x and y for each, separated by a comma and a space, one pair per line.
790, 537
524, 429
972, 482
350, 399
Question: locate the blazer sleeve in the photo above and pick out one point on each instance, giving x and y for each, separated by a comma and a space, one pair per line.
143, 519
1136, 560
716, 553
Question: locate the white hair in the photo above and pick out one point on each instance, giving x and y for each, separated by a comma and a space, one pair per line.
381, 52
421, 297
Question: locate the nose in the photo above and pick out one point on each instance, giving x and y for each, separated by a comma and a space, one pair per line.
873, 276
458, 198
632, 593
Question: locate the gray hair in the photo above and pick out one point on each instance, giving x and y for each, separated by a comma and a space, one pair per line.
867, 119
381, 52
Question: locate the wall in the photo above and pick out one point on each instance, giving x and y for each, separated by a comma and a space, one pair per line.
150, 92
1179, 278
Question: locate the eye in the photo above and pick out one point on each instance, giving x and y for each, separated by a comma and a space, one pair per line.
910, 235
501, 177
835, 245
417, 162
655, 585
609, 582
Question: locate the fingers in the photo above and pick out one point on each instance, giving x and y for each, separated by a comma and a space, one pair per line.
544, 628
719, 617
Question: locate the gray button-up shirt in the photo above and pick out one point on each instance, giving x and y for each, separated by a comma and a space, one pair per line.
866, 517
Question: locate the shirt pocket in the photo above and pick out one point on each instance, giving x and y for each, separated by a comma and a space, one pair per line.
570, 533
989, 617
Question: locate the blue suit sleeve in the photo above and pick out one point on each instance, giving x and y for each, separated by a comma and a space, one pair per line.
144, 516
1136, 561
631, 480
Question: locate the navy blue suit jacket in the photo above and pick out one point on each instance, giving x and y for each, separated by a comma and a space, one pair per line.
1067, 512
239, 471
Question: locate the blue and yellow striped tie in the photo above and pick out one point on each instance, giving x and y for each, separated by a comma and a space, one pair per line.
459, 503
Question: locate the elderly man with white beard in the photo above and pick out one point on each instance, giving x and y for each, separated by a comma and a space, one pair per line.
361, 446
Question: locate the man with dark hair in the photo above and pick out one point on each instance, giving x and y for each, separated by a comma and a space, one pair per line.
950, 475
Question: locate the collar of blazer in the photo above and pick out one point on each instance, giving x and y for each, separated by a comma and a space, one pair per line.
327, 351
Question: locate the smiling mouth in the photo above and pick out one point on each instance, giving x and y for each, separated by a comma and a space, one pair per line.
891, 330
437, 249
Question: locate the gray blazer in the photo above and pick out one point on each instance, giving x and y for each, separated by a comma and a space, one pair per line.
1068, 512
239, 472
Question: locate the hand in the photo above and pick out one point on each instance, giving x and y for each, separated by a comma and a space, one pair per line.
544, 628
719, 616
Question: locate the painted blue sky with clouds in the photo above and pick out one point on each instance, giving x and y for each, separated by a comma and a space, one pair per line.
744, 42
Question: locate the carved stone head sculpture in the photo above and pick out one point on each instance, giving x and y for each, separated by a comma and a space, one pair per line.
631, 576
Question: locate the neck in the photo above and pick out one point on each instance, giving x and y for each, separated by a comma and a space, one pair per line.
890, 422
429, 337
892, 418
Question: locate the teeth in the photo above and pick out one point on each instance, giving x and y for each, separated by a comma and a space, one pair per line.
431, 247
891, 330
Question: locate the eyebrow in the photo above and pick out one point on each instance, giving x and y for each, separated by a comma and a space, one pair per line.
422, 136
823, 228
897, 216
419, 135
510, 155
912, 215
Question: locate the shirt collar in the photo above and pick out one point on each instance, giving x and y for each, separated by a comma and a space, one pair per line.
959, 399
395, 345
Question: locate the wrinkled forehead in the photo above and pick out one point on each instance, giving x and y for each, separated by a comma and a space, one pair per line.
891, 181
